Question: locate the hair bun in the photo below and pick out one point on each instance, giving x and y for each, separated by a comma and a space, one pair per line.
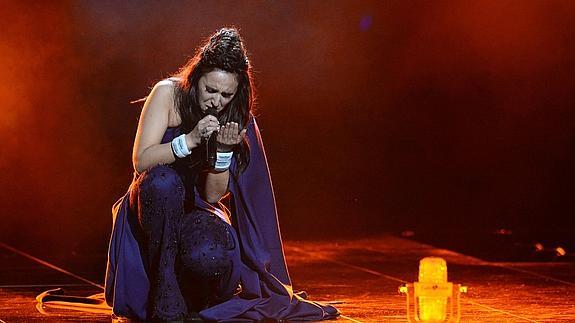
225, 51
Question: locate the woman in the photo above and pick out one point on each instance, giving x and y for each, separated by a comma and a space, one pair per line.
175, 251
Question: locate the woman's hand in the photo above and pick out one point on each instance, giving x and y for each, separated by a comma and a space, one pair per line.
229, 136
204, 128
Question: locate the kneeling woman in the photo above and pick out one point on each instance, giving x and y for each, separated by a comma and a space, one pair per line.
176, 252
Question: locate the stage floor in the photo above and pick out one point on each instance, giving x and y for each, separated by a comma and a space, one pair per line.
362, 276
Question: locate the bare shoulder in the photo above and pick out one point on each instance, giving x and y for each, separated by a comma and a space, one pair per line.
163, 93
167, 88
164, 89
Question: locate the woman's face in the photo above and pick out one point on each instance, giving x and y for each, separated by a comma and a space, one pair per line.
216, 89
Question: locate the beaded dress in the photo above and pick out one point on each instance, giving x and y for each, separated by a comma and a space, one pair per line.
250, 238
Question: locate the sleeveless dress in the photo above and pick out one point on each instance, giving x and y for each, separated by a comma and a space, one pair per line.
190, 254
266, 290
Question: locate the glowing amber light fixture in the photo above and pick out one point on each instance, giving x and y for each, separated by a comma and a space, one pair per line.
433, 298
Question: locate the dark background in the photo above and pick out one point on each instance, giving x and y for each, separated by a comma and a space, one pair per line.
378, 116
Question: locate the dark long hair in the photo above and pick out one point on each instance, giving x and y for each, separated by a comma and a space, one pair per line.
224, 50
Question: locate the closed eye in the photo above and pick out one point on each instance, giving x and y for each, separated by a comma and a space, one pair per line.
224, 94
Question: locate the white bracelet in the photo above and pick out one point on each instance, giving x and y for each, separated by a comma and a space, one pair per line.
223, 160
176, 150
180, 146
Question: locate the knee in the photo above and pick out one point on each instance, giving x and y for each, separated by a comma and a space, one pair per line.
208, 247
208, 262
161, 181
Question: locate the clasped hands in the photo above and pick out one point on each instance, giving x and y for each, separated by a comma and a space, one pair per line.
229, 134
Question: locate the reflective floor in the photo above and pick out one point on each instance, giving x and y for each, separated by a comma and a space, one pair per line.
361, 276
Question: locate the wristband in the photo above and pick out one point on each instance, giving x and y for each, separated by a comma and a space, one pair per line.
180, 147
223, 160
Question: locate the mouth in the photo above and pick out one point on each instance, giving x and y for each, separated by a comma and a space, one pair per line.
209, 109
208, 106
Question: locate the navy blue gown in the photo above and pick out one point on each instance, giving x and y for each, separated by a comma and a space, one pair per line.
195, 256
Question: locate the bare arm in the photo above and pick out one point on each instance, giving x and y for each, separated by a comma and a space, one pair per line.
153, 123
154, 119
216, 183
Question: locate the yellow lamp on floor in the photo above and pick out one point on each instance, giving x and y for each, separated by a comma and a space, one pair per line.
433, 299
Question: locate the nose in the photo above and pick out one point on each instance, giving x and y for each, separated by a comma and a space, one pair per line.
215, 102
